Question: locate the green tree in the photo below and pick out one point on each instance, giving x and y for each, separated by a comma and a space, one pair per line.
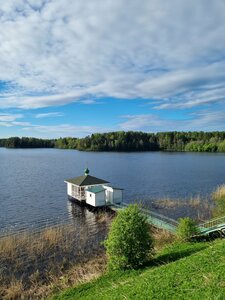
129, 243
186, 229
221, 146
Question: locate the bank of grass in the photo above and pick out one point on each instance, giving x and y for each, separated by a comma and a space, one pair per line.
36, 265
179, 271
33, 265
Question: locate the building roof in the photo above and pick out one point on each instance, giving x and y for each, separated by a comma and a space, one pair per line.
95, 189
113, 187
86, 180
116, 188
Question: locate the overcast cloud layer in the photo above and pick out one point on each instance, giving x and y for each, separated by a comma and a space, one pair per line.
56, 52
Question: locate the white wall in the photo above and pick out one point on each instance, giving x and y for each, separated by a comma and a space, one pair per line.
100, 199
113, 195
69, 189
90, 198
96, 200
110, 195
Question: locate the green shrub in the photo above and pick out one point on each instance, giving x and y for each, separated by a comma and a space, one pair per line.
129, 243
186, 229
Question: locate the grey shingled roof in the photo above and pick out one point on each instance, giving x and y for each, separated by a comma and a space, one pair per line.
86, 180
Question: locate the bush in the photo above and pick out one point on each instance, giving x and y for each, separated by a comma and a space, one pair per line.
186, 229
129, 243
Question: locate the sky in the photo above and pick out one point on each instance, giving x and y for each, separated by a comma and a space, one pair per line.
73, 68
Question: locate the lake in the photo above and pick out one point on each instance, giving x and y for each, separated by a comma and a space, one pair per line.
33, 192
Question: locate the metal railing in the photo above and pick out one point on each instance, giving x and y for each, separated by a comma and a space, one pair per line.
78, 196
213, 222
156, 219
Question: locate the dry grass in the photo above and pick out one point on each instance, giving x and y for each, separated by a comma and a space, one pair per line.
33, 264
199, 208
219, 192
162, 238
173, 203
77, 274
219, 198
103, 217
166, 203
36, 265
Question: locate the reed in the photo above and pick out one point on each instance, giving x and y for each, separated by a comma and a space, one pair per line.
173, 203
198, 207
33, 263
219, 192
219, 199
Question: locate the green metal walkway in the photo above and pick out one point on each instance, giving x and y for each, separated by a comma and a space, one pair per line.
213, 228
158, 220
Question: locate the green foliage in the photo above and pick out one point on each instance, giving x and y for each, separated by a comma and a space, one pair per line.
141, 141
129, 242
66, 143
221, 146
186, 229
130, 141
26, 142
201, 146
199, 276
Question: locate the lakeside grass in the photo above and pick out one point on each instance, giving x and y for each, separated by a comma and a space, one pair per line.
219, 198
180, 271
219, 192
35, 265
201, 208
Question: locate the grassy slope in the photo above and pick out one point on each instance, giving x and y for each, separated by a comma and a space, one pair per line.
181, 271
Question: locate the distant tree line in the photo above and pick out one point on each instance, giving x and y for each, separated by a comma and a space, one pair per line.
140, 141
26, 142
129, 141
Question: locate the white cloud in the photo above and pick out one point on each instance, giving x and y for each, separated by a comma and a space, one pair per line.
6, 124
50, 114
72, 50
9, 120
88, 101
141, 122
61, 130
9, 117
203, 120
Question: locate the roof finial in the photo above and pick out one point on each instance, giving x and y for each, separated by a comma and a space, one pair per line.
86, 172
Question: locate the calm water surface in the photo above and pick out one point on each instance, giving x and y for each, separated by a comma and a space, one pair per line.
32, 188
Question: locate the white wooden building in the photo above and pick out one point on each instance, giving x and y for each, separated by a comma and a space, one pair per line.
93, 191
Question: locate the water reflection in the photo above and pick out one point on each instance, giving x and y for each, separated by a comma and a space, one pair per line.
38, 194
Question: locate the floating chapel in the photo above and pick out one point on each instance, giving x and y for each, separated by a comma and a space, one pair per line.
93, 191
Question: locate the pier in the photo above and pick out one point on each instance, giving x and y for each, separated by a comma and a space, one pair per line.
214, 228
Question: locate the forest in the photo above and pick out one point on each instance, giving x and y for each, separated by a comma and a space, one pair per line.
128, 141
26, 142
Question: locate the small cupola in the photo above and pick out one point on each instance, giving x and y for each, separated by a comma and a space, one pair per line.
86, 171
